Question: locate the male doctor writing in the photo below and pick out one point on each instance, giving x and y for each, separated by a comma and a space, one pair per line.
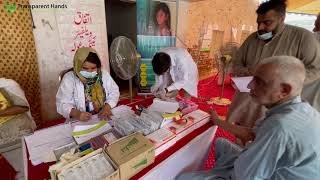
175, 70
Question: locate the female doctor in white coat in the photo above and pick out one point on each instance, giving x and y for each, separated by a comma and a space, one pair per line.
87, 89
175, 70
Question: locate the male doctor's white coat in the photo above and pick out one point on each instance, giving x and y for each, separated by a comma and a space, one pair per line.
183, 73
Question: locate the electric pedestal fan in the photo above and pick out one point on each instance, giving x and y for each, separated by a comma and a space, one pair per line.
227, 53
124, 59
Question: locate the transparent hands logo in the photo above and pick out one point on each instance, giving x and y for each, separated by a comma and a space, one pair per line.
10, 8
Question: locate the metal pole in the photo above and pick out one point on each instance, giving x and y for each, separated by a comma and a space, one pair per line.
130, 89
225, 71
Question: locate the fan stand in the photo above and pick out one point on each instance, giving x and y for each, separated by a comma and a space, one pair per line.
138, 56
130, 90
220, 101
130, 96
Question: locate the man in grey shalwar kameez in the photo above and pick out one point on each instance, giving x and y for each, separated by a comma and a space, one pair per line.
316, 28
286, 144
274, 38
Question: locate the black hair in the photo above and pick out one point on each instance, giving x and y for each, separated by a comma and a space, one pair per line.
161, 62
93, 58
278, 6
164, 7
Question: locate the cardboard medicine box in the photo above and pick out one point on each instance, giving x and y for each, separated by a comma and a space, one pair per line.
131, 154
56, 169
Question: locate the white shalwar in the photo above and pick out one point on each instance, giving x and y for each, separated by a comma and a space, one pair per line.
71, 93
183, 72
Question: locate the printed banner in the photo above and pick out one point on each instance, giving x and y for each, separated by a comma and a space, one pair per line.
157, 21
82, 26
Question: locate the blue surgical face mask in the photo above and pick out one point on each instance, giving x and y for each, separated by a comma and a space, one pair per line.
88, 75
265, 36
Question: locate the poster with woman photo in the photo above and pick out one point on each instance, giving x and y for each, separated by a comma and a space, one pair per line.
162, 19
157, 24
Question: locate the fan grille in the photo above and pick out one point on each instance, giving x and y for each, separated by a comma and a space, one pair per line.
124, 58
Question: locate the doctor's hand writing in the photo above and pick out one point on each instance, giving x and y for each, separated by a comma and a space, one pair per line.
160, 93
105, 112
165, 95
172, 94
81, 116
154, 89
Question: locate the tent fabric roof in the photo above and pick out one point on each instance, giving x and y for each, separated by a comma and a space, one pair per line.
304, 6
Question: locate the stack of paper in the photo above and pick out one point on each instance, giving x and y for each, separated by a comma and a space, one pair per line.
242, 83
120, 111
82, 133
163, 106
199, 117
92, 121
42, 143
162, 139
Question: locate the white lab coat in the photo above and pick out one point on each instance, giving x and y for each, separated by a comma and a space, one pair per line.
183, 72
71, 93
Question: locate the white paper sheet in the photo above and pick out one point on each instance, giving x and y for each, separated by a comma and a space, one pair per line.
83, 127
87, 136
160, 136
242, 83
42, 143
120, 111
198, 115
93, 120
163, 106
